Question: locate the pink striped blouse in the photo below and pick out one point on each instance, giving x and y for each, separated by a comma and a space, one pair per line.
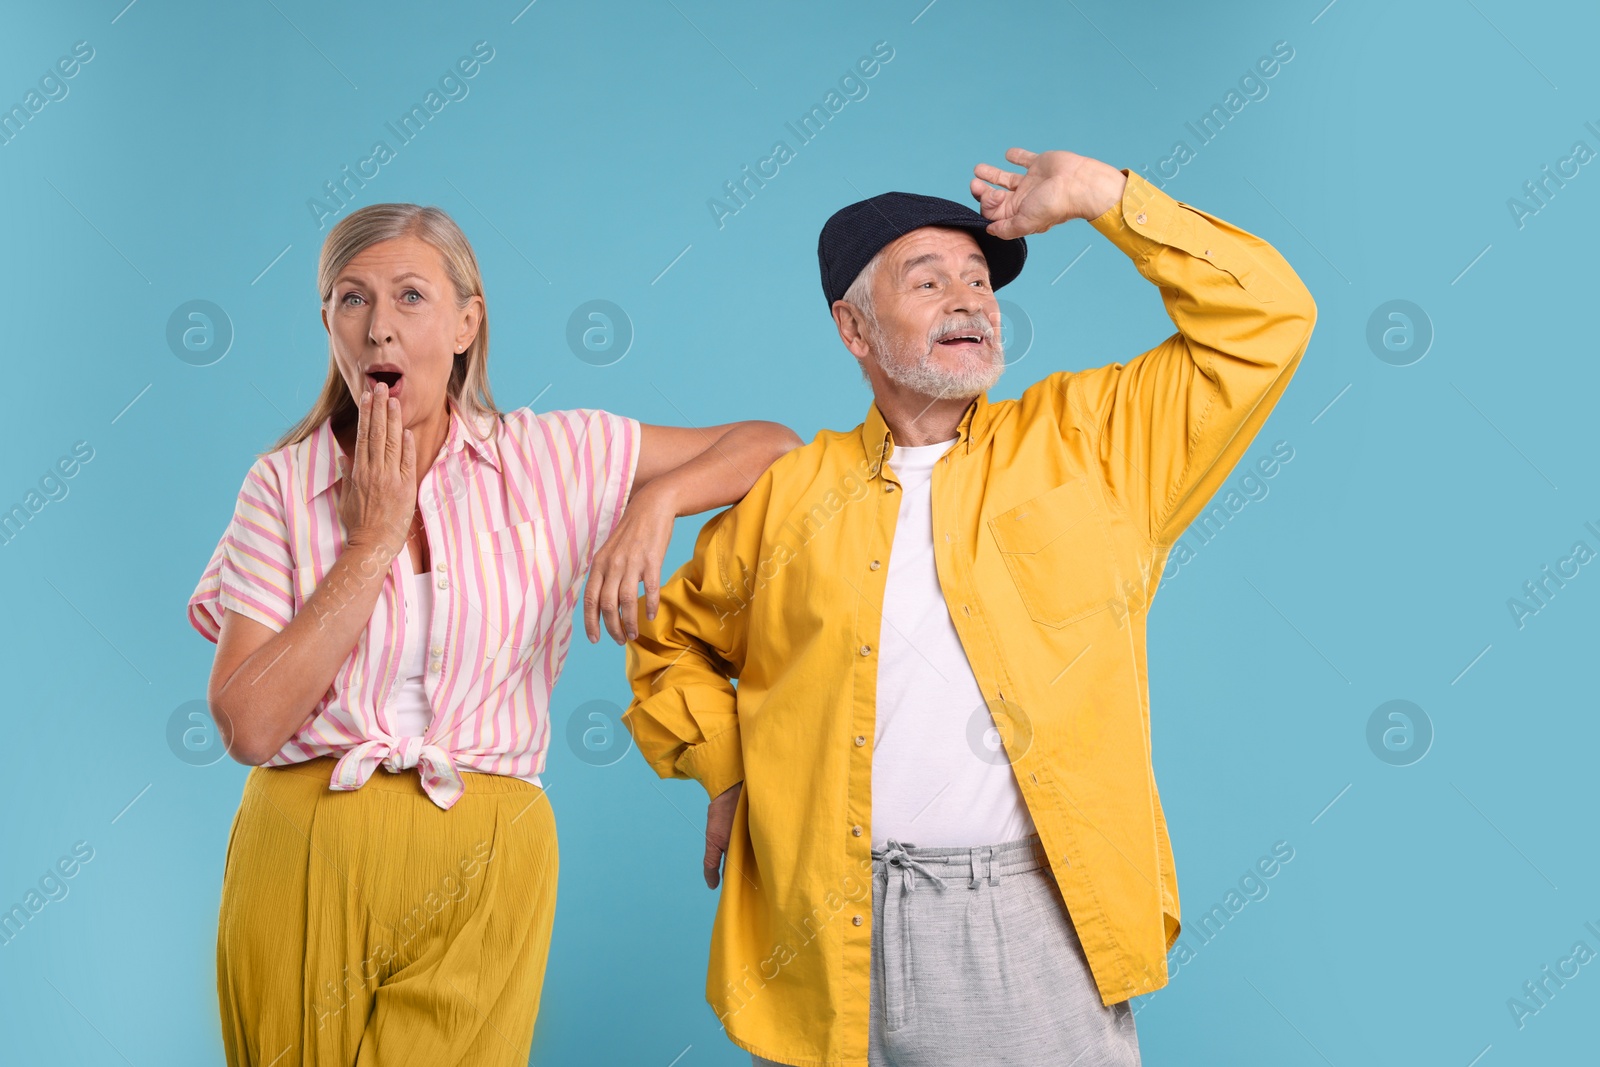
512, 521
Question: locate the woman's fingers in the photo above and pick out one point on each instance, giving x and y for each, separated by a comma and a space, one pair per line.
597, 605
363, 426
378, 428
652, 588
608, 604
628, 601
591, 606
392, 431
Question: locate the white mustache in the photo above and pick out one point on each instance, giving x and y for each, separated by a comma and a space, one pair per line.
956, 327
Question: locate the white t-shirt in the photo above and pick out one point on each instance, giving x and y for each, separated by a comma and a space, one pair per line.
940, 777
410, 712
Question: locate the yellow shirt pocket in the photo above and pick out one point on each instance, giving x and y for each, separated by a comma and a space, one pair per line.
1058, 553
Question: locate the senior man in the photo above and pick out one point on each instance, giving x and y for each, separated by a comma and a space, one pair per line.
898, 888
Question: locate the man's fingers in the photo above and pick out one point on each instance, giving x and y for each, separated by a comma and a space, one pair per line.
712, 864
1021, 157
991, 201
995, 176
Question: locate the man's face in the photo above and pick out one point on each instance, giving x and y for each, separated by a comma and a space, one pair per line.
938, 323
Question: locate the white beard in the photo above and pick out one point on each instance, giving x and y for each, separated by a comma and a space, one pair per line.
912, 366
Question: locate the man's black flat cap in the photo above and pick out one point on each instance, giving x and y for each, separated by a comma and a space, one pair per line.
857, 233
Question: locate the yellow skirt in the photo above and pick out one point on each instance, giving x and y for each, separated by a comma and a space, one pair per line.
372, 927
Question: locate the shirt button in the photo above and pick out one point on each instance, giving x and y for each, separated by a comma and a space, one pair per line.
888, 487
856, 830
856, 919
874, 565
966, 609
442, 567
1139, 217
438, 650
434, 666
866, 650
444, 583
860, 740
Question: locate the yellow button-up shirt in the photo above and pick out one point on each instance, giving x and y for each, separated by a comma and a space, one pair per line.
1053, 515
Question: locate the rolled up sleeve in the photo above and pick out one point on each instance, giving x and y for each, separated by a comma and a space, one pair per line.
251, 570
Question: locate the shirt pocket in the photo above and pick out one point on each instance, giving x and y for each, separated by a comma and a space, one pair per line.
515, 567
1057, 550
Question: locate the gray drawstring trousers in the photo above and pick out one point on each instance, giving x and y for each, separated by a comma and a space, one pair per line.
975, 961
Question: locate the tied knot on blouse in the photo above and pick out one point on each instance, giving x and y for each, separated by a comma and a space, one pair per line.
440, 776
404, 756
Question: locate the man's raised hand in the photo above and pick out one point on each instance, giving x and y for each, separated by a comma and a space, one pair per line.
1055, 187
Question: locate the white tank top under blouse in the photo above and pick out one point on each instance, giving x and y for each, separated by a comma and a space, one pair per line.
408, 708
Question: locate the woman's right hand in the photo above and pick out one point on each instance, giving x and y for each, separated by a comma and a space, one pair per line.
379, 497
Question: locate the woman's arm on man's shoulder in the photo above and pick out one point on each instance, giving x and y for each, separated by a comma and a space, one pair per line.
712, 466
682, 470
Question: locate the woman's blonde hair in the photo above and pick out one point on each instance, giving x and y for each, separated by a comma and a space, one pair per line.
359, 230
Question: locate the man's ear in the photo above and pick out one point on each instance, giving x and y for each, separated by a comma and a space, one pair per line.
852, 327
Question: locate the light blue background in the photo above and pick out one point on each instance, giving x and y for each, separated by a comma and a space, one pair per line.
180, 165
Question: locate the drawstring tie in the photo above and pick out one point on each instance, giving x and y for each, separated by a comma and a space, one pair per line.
896, 856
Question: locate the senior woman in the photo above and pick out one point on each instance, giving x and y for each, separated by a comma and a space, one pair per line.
396, 591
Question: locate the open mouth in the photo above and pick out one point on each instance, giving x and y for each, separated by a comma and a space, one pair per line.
390, 378
962, 339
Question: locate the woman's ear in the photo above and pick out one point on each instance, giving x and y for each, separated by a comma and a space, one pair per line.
471, 319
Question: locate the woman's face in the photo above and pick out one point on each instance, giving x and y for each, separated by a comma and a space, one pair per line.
393, 317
